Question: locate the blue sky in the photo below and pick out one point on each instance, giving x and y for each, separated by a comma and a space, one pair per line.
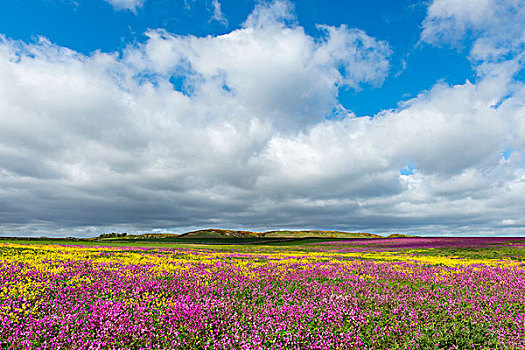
87, 26
164, 115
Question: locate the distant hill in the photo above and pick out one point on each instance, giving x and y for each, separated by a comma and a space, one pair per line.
213, 233
320, 234
155, 235
218, 233
106, 237
401, 235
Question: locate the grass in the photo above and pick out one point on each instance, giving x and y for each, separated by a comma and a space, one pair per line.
182, 241
497, 252
246, 244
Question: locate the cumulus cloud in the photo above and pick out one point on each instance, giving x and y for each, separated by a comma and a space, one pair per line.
231, 131
131, 5
270, 67
495, 26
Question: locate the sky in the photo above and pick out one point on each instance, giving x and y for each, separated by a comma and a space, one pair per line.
173, 115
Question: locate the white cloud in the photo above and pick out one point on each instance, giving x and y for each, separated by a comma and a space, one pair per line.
217, 13
361, 57
449, 20
496, 26
131, 5
242, 141
271, 69
271, 14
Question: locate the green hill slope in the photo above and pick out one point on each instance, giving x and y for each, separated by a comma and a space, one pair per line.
320, 234
401, 235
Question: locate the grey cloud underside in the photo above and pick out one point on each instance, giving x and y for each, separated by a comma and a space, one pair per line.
231, 131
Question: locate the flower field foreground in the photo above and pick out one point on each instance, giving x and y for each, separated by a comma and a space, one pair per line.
343, 295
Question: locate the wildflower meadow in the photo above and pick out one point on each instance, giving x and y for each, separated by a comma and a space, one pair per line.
404, 293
